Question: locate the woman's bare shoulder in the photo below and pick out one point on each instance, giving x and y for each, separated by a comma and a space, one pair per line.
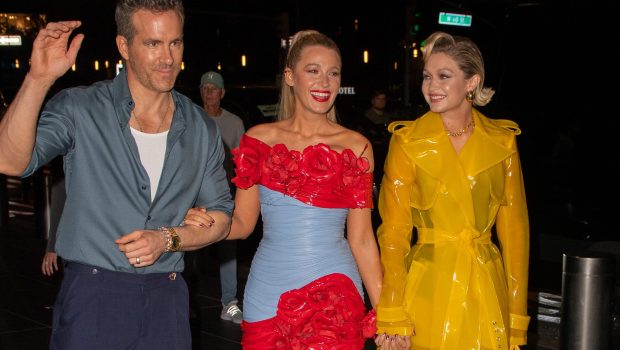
265, 132
355, 141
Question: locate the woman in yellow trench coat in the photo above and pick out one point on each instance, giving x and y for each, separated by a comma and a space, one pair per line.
453, 177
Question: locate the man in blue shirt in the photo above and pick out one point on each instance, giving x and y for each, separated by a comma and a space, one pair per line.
137, 155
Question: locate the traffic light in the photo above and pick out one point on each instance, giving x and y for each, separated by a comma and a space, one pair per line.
414, 22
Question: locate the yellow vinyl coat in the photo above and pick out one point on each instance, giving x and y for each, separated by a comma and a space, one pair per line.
454, 286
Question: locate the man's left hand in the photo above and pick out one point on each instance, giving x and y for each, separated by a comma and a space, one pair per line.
142, 247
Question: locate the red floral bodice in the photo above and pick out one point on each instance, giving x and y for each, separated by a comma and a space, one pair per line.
317, 176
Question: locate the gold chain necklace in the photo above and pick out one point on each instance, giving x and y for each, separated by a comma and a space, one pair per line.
160, 123
469, 126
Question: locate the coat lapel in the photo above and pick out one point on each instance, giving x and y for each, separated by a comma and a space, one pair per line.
488, 145
426, 142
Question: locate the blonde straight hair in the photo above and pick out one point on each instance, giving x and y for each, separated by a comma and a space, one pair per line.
301, 40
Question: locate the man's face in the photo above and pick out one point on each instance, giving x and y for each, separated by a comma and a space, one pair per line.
154, 55
379, 101
211, 95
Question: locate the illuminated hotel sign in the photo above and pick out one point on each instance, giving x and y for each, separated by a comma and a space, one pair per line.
347, 90
10, 40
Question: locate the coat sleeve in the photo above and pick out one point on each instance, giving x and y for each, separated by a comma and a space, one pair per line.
514, 237
394, 237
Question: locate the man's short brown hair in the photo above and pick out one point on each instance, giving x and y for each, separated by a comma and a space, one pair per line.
125, 10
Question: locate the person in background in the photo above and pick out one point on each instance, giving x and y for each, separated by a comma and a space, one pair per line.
310, 178
377, 113
454, 176
375, 122
374, 126
137, 155
49, 264
231, 127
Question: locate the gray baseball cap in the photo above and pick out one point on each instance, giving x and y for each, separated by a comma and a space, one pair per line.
212, 78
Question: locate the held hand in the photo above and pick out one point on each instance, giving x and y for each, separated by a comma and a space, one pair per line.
393, 342
49, 264
52, 55
198, 217
143, 247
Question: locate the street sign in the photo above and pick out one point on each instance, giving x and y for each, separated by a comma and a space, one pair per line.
455, 19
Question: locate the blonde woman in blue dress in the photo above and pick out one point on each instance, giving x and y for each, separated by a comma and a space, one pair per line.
311, 179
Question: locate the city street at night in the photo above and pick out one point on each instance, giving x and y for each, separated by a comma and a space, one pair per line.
553, 67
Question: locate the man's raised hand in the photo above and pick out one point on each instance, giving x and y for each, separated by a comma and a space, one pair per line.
52, 54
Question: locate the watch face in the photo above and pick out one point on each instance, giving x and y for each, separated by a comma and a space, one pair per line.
176, 242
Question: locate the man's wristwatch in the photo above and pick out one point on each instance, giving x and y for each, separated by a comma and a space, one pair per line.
173, 241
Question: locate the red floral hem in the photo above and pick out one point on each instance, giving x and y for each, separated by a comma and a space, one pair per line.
326, 314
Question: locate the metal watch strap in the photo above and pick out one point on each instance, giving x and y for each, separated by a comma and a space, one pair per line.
168, 233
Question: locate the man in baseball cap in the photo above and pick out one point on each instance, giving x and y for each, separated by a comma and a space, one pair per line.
231, 127
213, 78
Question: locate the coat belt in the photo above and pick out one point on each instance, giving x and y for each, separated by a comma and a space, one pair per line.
468, 259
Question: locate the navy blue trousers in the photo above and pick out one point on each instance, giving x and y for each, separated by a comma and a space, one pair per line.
98, 309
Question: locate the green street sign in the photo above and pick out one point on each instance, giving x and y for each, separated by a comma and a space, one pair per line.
454, 19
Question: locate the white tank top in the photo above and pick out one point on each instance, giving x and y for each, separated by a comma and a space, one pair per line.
152, 150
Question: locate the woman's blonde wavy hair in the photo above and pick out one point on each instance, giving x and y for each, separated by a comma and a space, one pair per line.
468, 57
301, 40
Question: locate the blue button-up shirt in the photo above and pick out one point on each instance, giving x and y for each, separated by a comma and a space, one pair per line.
108, 189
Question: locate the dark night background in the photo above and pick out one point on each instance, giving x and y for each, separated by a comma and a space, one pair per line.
553, 63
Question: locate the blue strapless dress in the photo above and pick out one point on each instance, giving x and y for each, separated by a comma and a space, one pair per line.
300, 244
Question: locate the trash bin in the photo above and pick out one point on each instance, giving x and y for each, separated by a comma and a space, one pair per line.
587, 296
